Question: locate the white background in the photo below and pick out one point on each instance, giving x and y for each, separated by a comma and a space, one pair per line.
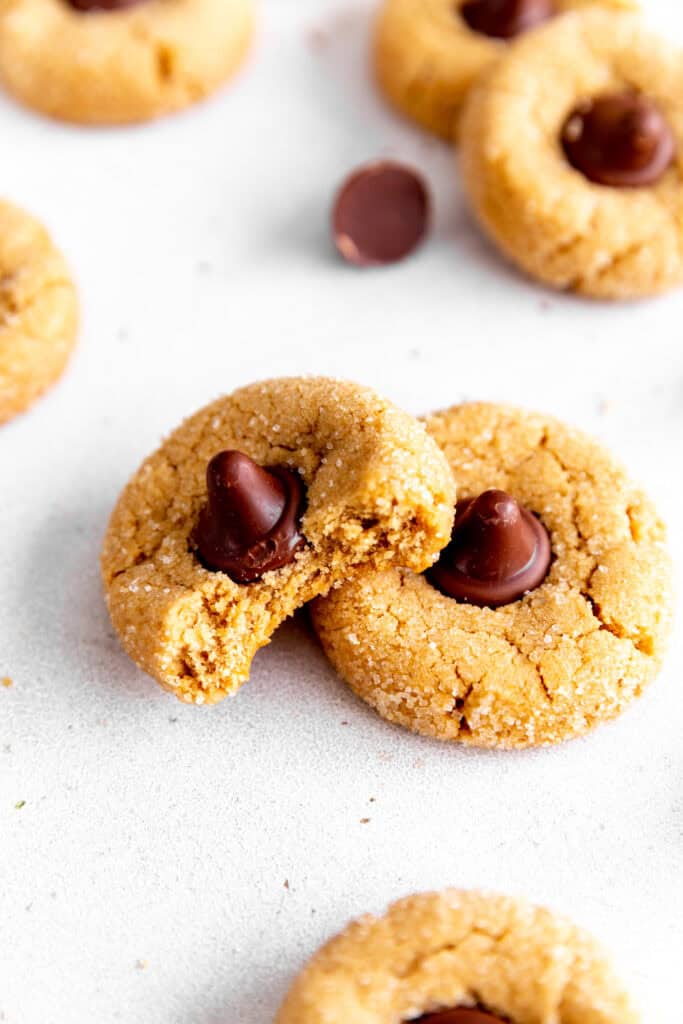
144, 879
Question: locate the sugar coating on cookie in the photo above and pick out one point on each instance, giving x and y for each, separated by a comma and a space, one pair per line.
438, 951
120, 66
545, 214
38, 311
570, 654
426, 57
378, 492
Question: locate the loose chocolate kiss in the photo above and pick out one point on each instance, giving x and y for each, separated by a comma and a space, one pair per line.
498, 552
622, 140
504, 19
463, 1015
250, 524
380, 215
102, 5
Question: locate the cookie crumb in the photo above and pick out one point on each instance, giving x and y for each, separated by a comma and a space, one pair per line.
287, 884
364, 821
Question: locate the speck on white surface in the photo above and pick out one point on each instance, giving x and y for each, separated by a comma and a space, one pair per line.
174, 864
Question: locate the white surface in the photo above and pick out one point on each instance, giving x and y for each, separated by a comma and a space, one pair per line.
143, 880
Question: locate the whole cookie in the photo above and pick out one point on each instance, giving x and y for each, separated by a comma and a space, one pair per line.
440, 953
572, 156
427, 53
544, 667
38, 311
113, 62
340, 478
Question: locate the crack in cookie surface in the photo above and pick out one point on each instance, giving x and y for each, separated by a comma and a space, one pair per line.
546, 216
379, 492
545, 668
455, 948
113, 67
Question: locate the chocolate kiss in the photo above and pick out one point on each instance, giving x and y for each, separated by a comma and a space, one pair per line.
250, 523
504, 19
498, 552
463, 1015
620, 140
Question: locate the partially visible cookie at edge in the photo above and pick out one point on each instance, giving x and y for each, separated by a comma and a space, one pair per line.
376, 491
607, 223
129, 63
439, 952
38, 311
550, 665
427, 54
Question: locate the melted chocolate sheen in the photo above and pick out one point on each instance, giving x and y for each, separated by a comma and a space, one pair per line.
621, 140
504, 19
250, 524
498, 552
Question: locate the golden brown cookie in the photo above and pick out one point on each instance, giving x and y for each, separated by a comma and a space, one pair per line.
427, 54
119, 65
549, 666
439, 951
38, 311
378, 492
555, 216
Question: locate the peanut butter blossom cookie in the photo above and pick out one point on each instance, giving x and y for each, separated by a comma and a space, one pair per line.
546, 614
38, 311
572, 156
118, 61
429, 52
459, 958
255, 505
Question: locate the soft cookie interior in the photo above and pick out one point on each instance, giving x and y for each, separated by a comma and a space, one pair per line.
378, 492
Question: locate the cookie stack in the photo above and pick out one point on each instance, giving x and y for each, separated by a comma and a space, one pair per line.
570, 130
487, 575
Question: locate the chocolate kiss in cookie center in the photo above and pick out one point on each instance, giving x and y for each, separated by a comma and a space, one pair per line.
504, 19
462, 1015
621, 140
498, 552
250, 522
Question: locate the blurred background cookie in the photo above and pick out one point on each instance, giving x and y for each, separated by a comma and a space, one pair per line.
427, 53
459, 957
38, 311
572, 155
118, 61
